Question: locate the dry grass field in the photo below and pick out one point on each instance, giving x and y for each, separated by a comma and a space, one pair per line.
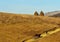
51, 38
16, 28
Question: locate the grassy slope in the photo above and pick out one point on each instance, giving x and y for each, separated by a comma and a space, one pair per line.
15, 28
51, 38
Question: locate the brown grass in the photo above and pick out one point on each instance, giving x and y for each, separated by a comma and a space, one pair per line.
16, 28
51, 38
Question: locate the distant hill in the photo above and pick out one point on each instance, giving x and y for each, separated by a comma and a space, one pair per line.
53, 14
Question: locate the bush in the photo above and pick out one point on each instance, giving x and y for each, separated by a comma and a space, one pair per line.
41, 13
36, 13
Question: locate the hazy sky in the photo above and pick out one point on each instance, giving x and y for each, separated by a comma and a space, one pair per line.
29, 6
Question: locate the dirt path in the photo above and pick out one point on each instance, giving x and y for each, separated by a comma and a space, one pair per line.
44, 34
50, 32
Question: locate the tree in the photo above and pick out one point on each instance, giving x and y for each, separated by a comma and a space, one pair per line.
41, 13
36, 13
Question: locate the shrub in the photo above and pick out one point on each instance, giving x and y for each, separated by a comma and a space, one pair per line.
41, 13
36, 13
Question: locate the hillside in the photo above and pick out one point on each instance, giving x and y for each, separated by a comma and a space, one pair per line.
16, 28
53, 14
51, 38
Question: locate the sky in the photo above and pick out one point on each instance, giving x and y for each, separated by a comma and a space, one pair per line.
29, 6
